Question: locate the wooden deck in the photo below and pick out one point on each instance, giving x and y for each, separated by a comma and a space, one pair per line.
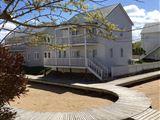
149, 114
131, 104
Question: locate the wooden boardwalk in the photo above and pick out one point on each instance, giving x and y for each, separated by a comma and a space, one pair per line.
149, 114
130, 104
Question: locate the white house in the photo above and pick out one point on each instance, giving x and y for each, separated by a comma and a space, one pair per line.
150, 36
84, 54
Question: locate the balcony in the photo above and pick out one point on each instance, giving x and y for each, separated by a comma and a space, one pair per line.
65, 62
76, 39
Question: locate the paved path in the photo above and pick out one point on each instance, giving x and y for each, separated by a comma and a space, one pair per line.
136, 78
130, 104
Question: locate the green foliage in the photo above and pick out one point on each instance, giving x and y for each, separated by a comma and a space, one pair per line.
12, 81
137, 49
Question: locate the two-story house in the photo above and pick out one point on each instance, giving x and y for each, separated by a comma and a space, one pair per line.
84, 53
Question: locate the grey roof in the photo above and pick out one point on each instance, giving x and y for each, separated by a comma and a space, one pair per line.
104, 10
151, 27
24, 31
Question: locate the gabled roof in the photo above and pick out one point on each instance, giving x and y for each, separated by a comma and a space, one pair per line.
106, 11
30, 30
151, 28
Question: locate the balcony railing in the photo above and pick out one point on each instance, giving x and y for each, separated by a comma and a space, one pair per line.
75, 39
78, 62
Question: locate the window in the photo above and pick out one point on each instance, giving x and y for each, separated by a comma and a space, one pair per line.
121, 34
74, 32
76, 54
47, 55
59, 54
36, 55
122, 52
64, 54
94, 53
111, 52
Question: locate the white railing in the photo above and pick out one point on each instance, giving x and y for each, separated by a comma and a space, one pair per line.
75, 39
95, 69
150, 51
77, 62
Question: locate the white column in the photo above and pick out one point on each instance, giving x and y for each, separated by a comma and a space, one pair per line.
85, 45
69, 46
55, 45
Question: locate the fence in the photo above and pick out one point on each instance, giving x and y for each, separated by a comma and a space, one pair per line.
132, 69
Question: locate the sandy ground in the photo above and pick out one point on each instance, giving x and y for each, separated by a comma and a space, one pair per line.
45, 98
152, 90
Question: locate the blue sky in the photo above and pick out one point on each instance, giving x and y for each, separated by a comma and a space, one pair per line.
139, 12
147, 4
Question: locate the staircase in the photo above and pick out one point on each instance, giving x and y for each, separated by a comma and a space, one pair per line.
149, 52
97, 69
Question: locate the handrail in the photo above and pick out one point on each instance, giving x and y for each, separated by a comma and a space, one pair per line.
150, 51
98, 70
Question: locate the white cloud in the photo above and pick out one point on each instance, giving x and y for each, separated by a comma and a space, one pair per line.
9, 26
140, 16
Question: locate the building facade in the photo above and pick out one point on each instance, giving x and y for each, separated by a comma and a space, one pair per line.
83, 52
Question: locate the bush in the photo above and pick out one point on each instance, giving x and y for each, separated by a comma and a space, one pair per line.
12, 81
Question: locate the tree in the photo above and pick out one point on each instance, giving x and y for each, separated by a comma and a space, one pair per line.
35, 13
137, 49
12, 81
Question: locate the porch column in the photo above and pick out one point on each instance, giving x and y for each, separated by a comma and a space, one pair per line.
69, 46
55, 45
85, 45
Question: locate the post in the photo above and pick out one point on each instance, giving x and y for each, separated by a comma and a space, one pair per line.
56, 44
69, 46
85, 46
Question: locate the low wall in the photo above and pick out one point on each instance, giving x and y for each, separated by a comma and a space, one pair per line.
132, 69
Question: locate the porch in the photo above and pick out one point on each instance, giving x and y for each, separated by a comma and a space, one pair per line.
77, 63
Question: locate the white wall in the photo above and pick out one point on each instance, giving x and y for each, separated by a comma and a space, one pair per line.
130, 69
119, 18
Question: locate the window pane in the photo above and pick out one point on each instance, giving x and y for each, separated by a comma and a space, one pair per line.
45, 55
49, 55
111, 52
64, 54
122, 52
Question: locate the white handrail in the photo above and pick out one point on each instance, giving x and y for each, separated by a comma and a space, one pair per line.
98, 70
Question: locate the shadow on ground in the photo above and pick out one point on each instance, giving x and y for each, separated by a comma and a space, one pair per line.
61, 90
71, 78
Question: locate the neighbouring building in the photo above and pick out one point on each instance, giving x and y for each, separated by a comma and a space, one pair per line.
150, 36
95, 54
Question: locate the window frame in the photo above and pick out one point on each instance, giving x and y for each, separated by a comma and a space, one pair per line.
36, 56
